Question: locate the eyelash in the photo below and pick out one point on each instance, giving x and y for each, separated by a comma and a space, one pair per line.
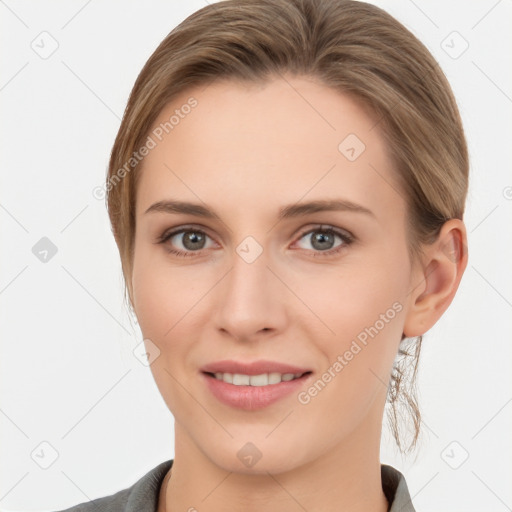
345, 237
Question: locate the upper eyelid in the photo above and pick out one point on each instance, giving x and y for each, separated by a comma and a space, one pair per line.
182, 229
327, 227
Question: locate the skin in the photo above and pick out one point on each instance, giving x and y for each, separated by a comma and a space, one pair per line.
246, 151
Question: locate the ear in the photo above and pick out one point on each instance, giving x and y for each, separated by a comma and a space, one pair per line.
436, 278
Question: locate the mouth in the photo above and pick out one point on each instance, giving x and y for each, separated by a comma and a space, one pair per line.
261, 380
254, 392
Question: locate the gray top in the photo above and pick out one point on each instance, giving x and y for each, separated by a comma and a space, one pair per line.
142, 496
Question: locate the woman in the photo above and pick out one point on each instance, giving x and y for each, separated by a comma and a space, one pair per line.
286, 191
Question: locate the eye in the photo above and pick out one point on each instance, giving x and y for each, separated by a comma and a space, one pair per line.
189, 242
185, 241
322, 240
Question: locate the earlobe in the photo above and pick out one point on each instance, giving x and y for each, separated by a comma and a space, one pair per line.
440, 273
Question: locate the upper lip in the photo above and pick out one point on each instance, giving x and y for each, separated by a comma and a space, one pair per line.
252, 368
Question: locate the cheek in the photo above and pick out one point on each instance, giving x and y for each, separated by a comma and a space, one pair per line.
168, 298
364, 308
159, 300
354, 297
148, 301
153, 294
366, 312
164, 303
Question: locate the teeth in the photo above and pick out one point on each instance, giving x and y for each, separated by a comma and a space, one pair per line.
264, 379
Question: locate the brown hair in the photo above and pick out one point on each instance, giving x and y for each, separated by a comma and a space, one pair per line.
353, 47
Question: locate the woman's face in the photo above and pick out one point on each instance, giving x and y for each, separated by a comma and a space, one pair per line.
258, 279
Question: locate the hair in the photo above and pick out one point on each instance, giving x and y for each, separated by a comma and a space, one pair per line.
353, 47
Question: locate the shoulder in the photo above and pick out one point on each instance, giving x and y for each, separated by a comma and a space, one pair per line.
142, 496
396, 490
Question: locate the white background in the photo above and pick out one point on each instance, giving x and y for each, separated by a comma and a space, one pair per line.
68, 374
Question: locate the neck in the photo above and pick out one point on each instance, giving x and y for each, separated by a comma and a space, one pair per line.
346, 477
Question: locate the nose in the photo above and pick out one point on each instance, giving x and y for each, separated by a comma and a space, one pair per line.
251, 300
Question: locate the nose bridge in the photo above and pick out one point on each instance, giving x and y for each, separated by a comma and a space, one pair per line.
249, 298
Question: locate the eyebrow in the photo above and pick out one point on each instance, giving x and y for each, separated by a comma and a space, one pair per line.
287, 212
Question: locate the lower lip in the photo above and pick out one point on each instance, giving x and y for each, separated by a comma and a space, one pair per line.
252, 398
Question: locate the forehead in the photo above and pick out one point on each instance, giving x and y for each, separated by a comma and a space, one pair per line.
266, 144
